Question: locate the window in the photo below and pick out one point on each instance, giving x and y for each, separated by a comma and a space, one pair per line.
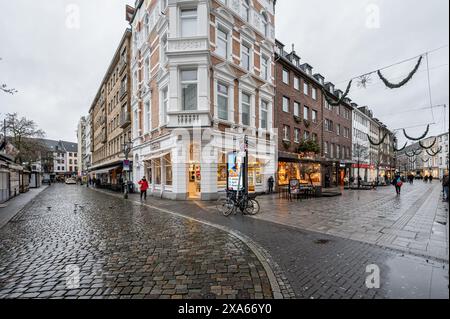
315, 138
286, 76
245, 56
306, 113
189, 90
305, 88
297, 109
264, 113
286, 104
165, 106
168, 169
314, 116
296, 83
332, 151
164, 49
158, 171
338, 129
265, 24
338, 151
222, 42
222, 101
286, 133
246, 109
314, 93
246, 10
297, 135
188, 23
265, 68
147, 70
147, 117
306, 135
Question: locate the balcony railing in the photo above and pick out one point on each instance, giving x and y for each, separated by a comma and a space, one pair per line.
125, 119
189, 119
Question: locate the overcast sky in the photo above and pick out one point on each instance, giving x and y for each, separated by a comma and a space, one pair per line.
57, 63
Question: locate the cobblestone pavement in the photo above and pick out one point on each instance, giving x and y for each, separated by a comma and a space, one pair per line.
319, 265
416, 222
119, 249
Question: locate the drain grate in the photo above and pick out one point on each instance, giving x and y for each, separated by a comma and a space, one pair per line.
322, 241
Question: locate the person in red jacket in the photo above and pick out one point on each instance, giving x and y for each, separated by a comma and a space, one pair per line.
143, 185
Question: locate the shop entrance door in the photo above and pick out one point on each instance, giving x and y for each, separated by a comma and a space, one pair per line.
195, 179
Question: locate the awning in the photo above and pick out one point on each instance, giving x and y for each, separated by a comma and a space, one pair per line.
106, 170
156, 156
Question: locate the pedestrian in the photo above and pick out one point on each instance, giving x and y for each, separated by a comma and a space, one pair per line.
445, 181
143, 185
271, 183
397, 182
430, 178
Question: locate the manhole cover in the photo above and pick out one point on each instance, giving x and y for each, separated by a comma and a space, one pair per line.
322, 241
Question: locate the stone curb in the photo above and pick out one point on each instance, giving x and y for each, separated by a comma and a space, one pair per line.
262, 257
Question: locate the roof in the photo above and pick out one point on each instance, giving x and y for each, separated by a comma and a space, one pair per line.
61, 146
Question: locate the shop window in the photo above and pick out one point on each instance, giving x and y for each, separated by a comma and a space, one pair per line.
158, 171
168, 167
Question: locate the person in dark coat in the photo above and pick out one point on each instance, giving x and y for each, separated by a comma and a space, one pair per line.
271, 183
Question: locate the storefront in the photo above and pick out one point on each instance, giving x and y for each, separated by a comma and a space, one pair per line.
307, 170
367, 172
179, 171
109, 176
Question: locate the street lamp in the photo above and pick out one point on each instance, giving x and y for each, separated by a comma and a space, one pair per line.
127, 146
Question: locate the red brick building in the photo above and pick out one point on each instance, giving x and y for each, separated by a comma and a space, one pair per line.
314, 138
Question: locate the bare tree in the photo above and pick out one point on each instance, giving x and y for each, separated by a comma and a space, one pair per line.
24, 135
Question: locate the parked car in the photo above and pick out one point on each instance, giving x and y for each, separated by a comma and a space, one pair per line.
71, 181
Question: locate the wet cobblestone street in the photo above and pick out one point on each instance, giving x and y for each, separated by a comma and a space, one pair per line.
118, 249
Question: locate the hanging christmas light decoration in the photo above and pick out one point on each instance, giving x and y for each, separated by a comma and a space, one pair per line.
419, 138
428, 147
403, 82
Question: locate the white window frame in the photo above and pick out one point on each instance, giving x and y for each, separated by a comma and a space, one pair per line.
286, 76
249, 46
164, 117
223, 29
266, 111
183, 82
186, 17
297, 110
227, 99
305, 88
147, 116
249, 108
285, 98
265, 67
297, 83
297, 133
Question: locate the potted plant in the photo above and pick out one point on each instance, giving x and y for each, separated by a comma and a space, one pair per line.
297, 119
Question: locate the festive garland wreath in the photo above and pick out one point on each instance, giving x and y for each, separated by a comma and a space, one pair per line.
402, 83
339, 102
433, 154
414, 153
429, 147
401, 149
379, 143
419, 138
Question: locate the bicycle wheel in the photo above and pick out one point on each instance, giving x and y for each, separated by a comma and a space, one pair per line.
220, 203
227, 208
253, 207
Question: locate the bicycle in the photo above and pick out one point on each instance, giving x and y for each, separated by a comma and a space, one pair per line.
230, 205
